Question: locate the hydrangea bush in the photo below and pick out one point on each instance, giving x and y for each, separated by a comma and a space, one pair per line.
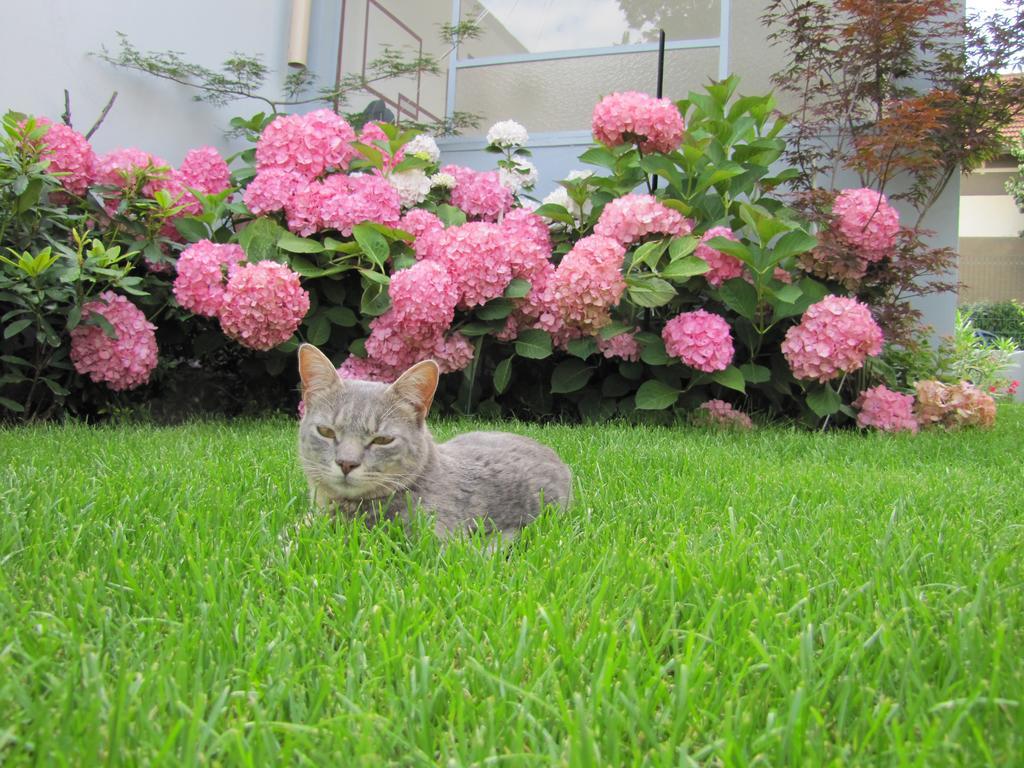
669, 277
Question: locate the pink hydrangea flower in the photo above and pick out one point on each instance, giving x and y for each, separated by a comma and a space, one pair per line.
477, 259
834, 336
308, 144
122, 363
700, 339
424, 296
69, 154
203, 271
723, 266
528, 242
632, 117
349, 200
419, 223
204, 169
630, 218
304, 208
479, 194
364, 369
624, 346
115, 168
263, 304
453, 353
272, 190
886, 410
865, 219
953, 405
588, 283
718, 413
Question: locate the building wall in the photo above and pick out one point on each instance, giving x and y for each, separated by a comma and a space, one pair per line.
51, 51
991, 249
51, 48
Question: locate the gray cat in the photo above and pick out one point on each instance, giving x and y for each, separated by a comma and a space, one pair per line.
366, 449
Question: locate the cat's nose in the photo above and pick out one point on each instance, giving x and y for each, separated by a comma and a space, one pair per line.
347, 466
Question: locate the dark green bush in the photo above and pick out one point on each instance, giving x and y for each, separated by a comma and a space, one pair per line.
1003, 318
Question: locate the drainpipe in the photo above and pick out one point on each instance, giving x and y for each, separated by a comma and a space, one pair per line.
298, 39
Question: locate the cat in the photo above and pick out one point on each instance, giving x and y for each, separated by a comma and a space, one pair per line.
366, 450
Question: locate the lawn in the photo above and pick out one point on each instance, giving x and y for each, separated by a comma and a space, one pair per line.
780, 598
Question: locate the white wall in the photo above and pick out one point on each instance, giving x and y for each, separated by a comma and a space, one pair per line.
46, 49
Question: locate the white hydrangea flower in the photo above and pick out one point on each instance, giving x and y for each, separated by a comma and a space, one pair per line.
425, 146
442, 181
523, 176
507, 134
413, 186
560, 196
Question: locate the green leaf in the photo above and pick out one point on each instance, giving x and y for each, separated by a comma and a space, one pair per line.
74, 318
615, 328
376, 277
480, 329
570, 376
295, 244
755, 374
341, 246
318, 329
11, 405
791, 244
655, 396
684, 268
16, 327
650, 253
824, 400
659, 165
56, 388
259, 239
649, 291
495, 309
373, 243
374, 301
788, 293
740, 296
653, 352
502, 375
731, 247
555, 213
389, 232
342, 316
517, 289
682, 246
450, 215
534, 344
731, 378
582, 348
192, 229
599, 156
30, 196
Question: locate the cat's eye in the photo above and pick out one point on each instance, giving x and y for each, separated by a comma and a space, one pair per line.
382, 440
326, 432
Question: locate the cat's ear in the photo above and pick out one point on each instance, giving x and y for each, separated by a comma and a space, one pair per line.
317, 373
417, 386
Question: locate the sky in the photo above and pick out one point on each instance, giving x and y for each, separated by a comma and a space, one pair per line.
984, 6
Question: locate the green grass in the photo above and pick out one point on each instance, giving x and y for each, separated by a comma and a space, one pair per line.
781, 598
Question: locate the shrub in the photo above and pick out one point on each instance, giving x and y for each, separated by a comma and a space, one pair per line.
1003, 318
670, 277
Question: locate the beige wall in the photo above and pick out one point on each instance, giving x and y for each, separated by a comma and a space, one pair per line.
991, 269
991, 251
423, 17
